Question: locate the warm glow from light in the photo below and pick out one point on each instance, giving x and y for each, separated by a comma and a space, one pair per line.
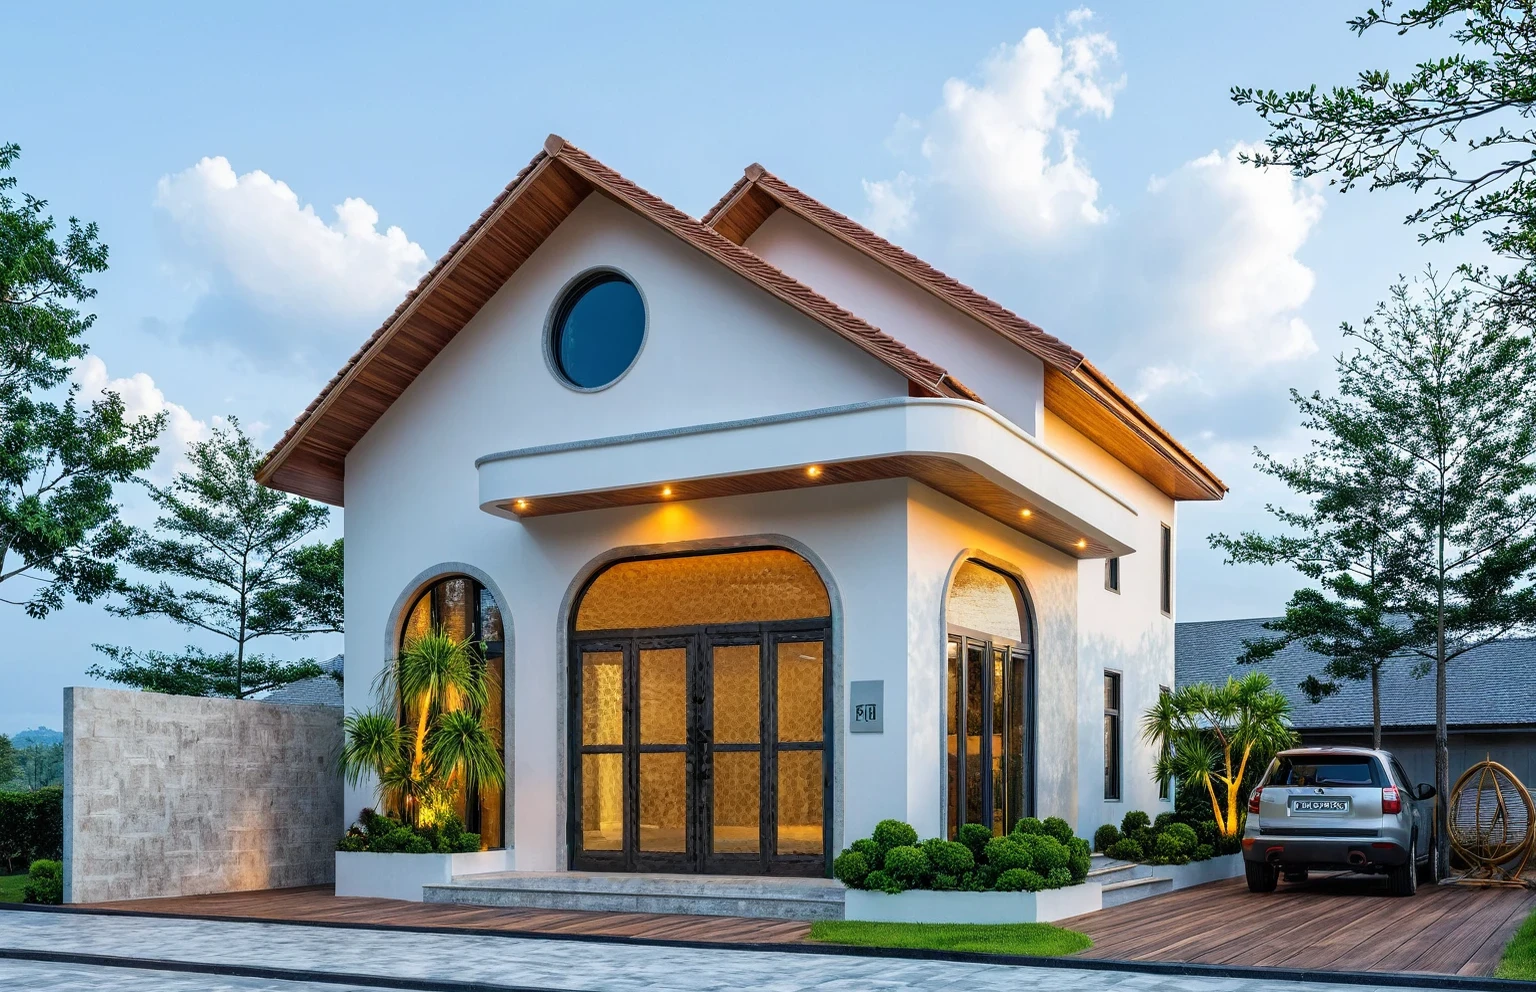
813, 471
1026, 513
522, 504
1082, 542
666, 490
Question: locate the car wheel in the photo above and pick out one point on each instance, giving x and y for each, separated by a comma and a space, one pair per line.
1403, 880
1429, 874
1262, 877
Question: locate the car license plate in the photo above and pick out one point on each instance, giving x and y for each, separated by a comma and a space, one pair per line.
1319, 805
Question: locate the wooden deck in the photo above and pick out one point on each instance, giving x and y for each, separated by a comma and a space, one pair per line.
318, 904
1328, 924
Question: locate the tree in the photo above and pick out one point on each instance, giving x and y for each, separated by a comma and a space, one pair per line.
59, 460
7, 760
1458, 128
1207, 736
236, 545
40, 766
1439, 399
1344, 543
440, 745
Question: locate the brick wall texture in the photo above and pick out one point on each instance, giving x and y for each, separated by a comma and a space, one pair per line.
177, 795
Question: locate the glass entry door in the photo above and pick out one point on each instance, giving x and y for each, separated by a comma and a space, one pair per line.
701, 750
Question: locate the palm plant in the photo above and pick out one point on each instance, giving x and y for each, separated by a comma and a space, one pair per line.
438, 744
1207, 736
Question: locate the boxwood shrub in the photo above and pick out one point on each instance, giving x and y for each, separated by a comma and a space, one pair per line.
1039, 854
380, 834
1169, 840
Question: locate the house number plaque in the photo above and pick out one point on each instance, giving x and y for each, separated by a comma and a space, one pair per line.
867, 702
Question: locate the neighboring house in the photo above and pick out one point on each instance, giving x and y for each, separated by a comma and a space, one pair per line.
1490, 698
772, 530
322, 690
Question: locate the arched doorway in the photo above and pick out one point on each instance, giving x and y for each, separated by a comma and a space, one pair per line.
989, 702
467, 611
700, 690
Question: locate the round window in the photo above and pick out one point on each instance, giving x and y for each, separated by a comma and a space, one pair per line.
597, 330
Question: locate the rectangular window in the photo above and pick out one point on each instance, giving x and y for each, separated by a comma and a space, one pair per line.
1111, 735
1167, 571
1112, 574
1164, 786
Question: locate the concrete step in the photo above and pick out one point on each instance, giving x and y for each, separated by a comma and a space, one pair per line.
694, 895
1108, 872
1133, 889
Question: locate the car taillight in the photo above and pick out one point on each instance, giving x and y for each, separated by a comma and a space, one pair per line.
1391, 800
1253, 799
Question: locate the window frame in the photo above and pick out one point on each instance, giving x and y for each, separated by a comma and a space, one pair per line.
574, 288
1112, 575
1166, 571
1114, 732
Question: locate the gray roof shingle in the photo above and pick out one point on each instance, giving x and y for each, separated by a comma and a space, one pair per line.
1494, 685
323, 690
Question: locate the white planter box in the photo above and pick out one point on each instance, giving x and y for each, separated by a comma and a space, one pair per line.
1201, 872
401, 876
974, 907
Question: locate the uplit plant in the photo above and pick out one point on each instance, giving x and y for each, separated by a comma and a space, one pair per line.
1209, 737
439, 745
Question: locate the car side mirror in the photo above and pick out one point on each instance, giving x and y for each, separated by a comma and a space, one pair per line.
1424, 791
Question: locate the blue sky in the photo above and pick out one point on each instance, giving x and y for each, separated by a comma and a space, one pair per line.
1079, 168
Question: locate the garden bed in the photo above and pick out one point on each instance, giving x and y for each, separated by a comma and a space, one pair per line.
926, 906
1215, 869
401, 876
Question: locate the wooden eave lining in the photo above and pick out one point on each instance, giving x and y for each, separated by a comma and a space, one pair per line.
309, 459
1075, 390
940, 473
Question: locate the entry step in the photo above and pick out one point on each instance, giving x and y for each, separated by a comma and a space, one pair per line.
693, 895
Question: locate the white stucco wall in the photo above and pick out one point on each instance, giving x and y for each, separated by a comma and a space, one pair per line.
1127, 632
1011, 380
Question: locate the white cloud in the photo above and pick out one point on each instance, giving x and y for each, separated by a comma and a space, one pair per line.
142, 398
251, 234
891, 204
1001, 146
1217, 263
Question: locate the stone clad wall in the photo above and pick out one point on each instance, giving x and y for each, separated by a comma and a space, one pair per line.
179, 795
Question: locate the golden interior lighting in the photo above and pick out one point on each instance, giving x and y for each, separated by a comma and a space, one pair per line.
813, 471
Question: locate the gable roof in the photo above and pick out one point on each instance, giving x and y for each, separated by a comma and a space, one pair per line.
310, 457
1492, 685
1075, 390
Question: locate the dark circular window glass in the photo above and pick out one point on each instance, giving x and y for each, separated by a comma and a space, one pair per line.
598, 330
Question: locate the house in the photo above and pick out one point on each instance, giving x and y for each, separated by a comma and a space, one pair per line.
1490, 698
322, 690
771, 530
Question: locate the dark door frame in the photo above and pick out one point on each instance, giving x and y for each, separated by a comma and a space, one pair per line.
1018, 655
699, 641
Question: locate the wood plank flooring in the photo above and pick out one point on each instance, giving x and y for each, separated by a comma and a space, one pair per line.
1328, 924
318, 904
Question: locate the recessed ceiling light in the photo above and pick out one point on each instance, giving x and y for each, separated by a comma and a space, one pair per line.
1082, 542
522, 504
1026, 512
813, 470
666, 490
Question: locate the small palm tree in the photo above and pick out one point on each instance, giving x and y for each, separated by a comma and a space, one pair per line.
439, 744
1207, 736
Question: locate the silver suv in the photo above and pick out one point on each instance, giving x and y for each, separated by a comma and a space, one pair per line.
1338, 808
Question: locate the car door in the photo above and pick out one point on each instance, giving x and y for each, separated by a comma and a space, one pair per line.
1418, 807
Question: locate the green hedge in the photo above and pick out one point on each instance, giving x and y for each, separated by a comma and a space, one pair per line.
1037, 855
31, 827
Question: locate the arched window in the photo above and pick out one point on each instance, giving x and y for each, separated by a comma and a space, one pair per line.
989, 719
466, 610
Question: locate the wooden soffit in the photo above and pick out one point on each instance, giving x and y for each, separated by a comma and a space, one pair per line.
309, 459
1075, 391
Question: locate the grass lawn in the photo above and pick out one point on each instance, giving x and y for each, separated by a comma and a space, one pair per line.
11, 886
1520, 955
1037, 939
